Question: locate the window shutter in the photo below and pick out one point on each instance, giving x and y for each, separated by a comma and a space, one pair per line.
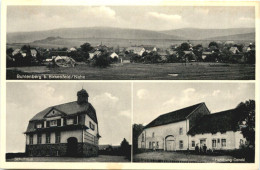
35, 125
58, 122
48, 123
42, 124
64, 121
75, 120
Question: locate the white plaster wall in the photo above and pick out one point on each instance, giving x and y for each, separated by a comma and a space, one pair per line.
232, 140
87, 120
67, 134
160, 132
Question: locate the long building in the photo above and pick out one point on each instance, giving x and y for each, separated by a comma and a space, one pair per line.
194, 125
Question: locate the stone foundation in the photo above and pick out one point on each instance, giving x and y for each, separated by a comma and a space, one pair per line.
83, 149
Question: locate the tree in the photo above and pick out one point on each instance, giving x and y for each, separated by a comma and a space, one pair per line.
101, 61
246, 112
9, 51
86, 47
137, 130
213, 43
125, 148
185, 46
172, 58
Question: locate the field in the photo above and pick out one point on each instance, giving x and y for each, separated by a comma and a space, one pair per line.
138, 71
182, 158
114, 42
100, 158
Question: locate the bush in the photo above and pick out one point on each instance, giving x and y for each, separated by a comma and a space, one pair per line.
101, 61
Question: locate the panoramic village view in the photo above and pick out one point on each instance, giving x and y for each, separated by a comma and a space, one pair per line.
104, 51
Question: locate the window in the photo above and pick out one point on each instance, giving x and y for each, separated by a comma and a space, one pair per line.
39, 138
31, 139
241, 142
142, 137
180, 131
218, 140
57, 137
39, 125
48, 138
214, 143
223, 143
91, 125
180, 144
157, 145
193, 143
53, 123
153, 134
70, 121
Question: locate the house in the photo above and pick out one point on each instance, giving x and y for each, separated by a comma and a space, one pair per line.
234, 50
185, 128
205, 55
33, 52
114, 55
136, 50
190, 56
72, 49
55, 54
94, 53
163, 55
16, 51
149, 48
169, 131
69, 129
217, 131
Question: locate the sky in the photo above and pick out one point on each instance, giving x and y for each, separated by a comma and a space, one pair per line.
112, 102
153, 99
35, 18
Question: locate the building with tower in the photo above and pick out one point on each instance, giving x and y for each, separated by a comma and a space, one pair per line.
69, 129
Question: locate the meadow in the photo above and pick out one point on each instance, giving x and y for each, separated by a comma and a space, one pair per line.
139, 71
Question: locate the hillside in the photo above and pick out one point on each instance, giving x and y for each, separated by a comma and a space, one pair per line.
236, 37
90, 32
200, 34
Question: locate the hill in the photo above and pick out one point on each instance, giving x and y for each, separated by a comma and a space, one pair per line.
236, 37
88, 32
201, 34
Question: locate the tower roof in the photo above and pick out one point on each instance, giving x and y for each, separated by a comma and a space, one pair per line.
83, 92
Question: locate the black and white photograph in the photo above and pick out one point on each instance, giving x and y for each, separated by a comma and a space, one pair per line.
68, 122
194, 122
130, 42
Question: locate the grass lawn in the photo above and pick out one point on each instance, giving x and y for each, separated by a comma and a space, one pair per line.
100, 158
139, 71
181, 157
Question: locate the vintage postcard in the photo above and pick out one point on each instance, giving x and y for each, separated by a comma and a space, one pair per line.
129, 85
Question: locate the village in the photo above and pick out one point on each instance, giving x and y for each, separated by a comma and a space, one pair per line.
102, 55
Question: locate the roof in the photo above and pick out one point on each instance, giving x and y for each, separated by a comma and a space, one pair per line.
58, 53
174, 116
33, 51
71, 108
135, 49
206, 53
149, 48
216, 122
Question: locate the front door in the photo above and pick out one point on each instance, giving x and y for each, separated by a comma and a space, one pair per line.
170, 145
202, 142
72, 146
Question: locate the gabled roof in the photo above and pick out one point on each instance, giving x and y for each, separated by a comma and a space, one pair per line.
175, 116
71, 108
216, 122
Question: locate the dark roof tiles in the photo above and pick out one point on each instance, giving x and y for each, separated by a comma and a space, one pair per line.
174, 116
